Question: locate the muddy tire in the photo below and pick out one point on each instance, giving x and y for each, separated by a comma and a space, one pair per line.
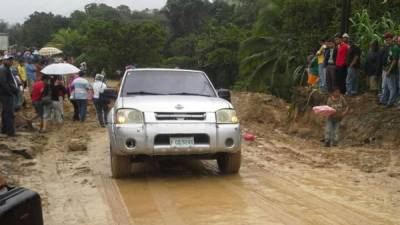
229, 163
120, 166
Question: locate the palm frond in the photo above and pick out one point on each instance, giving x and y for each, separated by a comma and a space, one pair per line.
260, 68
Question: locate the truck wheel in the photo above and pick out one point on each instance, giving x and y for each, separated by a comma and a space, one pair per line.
229, 163
120, 166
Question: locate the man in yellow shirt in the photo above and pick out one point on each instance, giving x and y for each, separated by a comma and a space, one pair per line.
321, 68
22, 72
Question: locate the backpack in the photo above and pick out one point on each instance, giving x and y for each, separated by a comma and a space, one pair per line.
46, 100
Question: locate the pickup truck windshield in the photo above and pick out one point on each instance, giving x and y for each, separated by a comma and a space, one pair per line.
167, 83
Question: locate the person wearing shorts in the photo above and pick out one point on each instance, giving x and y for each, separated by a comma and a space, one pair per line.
58, 92
37, 94
38, 106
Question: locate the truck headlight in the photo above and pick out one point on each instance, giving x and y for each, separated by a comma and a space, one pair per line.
128, 116
227, 116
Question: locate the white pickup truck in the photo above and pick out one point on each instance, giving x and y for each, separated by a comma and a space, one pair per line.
172, 113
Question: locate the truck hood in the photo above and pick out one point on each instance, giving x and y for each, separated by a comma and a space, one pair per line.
173, 103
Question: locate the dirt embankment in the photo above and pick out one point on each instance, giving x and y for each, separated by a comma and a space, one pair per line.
369, 137
367, 125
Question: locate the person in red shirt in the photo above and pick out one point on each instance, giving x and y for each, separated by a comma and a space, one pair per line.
341, 66
36, 96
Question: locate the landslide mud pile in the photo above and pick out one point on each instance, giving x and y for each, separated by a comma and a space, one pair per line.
368, 124
258, 111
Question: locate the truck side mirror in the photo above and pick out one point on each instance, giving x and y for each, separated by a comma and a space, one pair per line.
224, 94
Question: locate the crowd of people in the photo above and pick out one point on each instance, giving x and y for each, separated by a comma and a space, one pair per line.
338, 63
334, 68
337, 66
21, 76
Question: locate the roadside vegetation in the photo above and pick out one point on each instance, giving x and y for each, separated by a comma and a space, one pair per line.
254, 45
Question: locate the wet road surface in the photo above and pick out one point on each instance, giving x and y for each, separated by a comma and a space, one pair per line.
177, 192
193, 192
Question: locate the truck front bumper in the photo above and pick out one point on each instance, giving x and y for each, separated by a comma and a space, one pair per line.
143, 139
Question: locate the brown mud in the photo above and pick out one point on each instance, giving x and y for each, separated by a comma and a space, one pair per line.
286, 176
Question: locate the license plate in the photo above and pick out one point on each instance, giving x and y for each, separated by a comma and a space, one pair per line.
182, 142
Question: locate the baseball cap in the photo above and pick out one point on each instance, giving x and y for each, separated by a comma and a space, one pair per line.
99, 76
388, 35
346, 35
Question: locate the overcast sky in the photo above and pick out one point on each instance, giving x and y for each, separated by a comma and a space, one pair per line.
16, 11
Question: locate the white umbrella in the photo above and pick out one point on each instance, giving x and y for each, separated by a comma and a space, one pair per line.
60, 69
49, 51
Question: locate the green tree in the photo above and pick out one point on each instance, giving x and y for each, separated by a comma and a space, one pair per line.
39, 28
280, 43
222, 12
268, 64
69, 41
186, 16
217, 53
367, 29
113, 45
103, 12
184, 45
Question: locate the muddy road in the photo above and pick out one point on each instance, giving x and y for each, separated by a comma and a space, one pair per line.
267, 191
284, 180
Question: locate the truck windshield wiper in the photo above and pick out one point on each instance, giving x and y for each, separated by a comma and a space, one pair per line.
187, 93
143, 93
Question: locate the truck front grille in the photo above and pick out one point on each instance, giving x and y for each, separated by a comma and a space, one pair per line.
180, 116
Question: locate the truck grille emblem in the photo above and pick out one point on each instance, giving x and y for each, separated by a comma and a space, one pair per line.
179, 107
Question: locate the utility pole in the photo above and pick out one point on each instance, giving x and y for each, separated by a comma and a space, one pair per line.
346, 12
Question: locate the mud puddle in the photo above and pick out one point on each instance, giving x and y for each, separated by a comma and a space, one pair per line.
186, 192
193, 192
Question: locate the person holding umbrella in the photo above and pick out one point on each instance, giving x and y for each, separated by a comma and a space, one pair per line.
55, 92
58, 92
63, 69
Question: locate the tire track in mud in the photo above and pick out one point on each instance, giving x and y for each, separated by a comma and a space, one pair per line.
112, 195
107, 186
291, 204
369, 193
165, 204
188, 192
281, 199
272, 199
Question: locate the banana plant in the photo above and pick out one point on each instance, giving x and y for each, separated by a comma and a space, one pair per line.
367, 29
268, 62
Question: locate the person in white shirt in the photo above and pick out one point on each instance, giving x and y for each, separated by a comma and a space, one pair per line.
100, 105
